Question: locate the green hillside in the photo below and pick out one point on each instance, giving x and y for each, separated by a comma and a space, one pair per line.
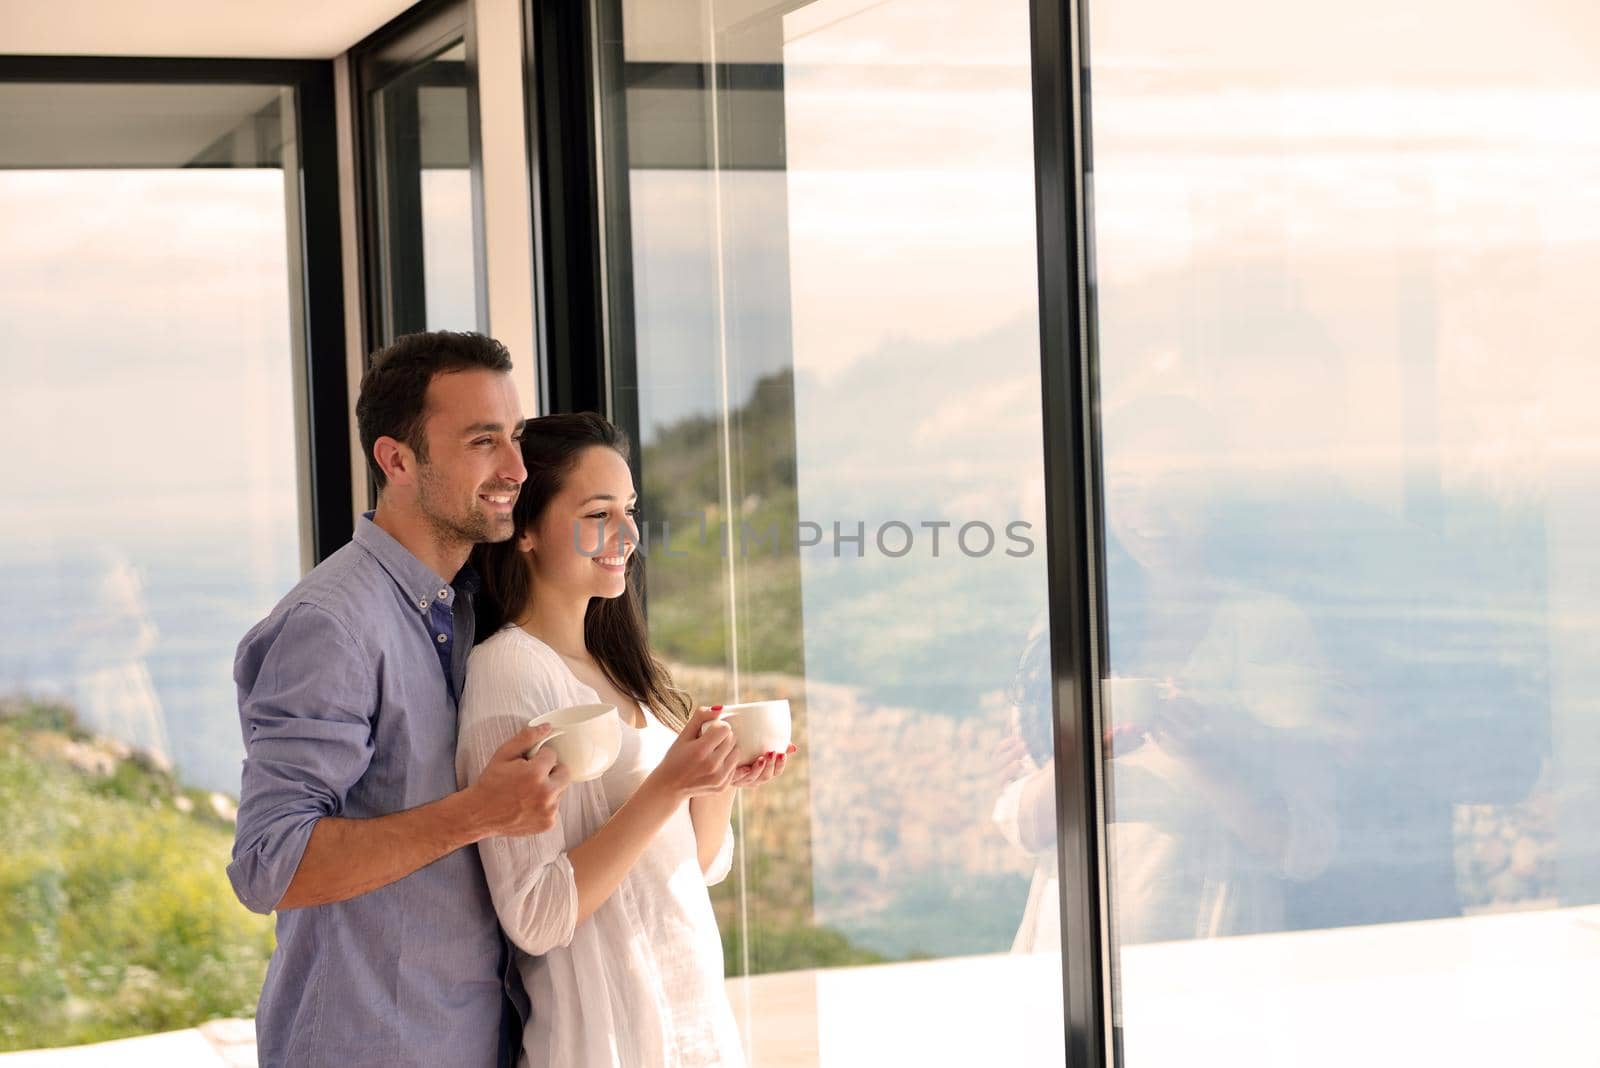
687, 576
116, 917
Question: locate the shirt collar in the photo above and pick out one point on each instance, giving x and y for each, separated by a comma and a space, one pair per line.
421, 586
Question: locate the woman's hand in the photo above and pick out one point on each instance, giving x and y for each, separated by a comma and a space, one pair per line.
762, 770
703, 760
1182, 729
1010, 759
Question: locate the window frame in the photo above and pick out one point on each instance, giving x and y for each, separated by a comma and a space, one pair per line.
1074, 536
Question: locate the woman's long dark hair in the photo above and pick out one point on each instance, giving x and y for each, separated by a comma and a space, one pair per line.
1031, 696
614, 628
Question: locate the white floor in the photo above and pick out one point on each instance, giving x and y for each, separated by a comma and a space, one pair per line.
1471, 992
1521, 988
218, 1044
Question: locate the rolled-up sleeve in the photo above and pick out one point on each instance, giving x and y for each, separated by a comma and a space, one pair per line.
531, 881
307, 696
722, 863
1007, 814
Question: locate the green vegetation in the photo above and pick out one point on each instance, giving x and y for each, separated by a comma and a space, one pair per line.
751, 528
688, 574
944, 913
688, 594
790, 948
116, 917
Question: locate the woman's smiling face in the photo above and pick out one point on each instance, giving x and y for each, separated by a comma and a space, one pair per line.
582, 542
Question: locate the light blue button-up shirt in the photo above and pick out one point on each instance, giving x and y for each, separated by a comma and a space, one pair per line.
347, 701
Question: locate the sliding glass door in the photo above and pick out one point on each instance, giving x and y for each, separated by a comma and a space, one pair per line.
821, 245
1346, 356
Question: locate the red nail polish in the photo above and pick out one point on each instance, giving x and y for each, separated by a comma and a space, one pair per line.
716, 708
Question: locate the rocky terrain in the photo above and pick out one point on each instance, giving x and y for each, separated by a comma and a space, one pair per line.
1505, 854
881, 826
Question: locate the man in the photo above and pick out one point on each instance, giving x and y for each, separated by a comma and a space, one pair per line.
350, 824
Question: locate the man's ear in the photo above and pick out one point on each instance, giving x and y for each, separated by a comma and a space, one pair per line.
396, 460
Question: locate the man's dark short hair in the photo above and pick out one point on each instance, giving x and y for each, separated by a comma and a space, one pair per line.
394, 391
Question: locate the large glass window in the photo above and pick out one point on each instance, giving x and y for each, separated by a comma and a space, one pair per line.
1347, 369
150, 511
821, 237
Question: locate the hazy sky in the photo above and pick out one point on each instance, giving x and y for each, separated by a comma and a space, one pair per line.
148, 357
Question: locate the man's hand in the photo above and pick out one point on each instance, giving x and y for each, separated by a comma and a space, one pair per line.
518, 795
347, 857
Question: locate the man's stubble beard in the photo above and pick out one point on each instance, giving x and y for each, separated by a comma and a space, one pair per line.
473, 527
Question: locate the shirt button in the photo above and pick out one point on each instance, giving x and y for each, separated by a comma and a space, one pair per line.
423, 604
443, 594
443, 639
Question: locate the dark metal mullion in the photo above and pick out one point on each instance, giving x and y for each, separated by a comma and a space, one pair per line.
407, 41
532, 94
446, 73
368, 207
480, 242
399, 150
157, 70
1066, 379
698, 77
620, 353
569, 257
327, 407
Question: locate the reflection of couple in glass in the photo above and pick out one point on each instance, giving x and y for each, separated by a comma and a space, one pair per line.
1219, 787
359, 794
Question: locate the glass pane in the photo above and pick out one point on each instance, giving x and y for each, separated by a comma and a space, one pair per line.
1346, 346
149, 515
425, 179
827, 262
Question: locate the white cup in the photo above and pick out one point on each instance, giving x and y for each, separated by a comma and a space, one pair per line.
758, 727
1131, 700
586, 738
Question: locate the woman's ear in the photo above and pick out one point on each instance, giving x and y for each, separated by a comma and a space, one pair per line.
525, 541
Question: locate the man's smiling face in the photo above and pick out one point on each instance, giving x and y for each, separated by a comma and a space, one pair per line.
473, 470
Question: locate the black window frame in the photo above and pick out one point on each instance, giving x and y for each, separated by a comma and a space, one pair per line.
1074, 536
322, 296
562, 96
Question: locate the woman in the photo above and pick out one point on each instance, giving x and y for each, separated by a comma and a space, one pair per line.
1220, 734
609, 913
1025, 811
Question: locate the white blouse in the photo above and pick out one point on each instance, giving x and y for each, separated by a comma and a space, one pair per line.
639, 984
